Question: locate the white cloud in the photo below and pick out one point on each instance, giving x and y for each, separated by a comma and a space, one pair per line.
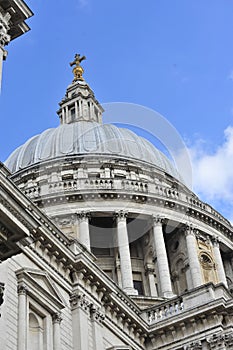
213, 173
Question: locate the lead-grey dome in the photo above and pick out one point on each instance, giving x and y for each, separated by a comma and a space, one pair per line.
87, 138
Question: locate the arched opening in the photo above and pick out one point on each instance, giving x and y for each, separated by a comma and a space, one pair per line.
35, 336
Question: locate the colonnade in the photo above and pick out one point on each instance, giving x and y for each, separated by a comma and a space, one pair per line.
162, 263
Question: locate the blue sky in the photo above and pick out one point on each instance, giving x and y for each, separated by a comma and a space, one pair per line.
175, 57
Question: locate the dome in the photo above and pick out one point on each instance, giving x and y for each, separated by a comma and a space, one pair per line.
88, 138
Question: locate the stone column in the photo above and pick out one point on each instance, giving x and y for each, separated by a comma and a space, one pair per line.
97, 318
84, 233
219, 262
125, 260
194, 264
4, 40
162, 260
80, 312
22, 317
150, 270
56, 331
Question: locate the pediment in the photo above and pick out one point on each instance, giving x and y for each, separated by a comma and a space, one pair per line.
40, 281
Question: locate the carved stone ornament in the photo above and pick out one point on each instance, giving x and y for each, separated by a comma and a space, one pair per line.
4, 27
22, 289
83, 216
193, 346
216, 340
157, 219
57, 317
96, 314
79, 300
121, 215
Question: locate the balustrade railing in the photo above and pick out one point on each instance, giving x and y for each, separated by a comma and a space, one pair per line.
166, 310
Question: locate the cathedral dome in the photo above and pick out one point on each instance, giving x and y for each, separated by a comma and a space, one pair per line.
84, 138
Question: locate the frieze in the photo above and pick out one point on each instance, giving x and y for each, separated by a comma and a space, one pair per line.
220, 340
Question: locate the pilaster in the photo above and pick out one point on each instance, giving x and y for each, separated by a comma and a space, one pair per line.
22, 316
80, 311
97, 318
56, 331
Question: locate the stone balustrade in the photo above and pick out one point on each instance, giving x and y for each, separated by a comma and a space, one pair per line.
192, 205
166, 310
188, 301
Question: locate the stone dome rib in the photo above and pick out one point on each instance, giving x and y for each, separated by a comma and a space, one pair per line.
90, 138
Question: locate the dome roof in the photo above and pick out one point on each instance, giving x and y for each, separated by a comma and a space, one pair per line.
88, 138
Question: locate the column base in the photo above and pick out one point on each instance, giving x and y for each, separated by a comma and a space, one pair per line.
130, 291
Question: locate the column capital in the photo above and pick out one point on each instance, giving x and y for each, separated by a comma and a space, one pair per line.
121, 215
215, 241
158, 220
79, 300
189, 229
22, 289
83, 215
96, 314
57, 317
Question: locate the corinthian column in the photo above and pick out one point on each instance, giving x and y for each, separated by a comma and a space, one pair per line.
125, 261
84, 233
162, 260
219, 263
194, 264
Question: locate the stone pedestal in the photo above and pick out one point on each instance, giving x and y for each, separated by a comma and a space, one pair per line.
162, 260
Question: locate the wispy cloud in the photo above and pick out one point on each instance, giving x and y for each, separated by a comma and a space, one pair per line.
213, 172
83, 3
230, 76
